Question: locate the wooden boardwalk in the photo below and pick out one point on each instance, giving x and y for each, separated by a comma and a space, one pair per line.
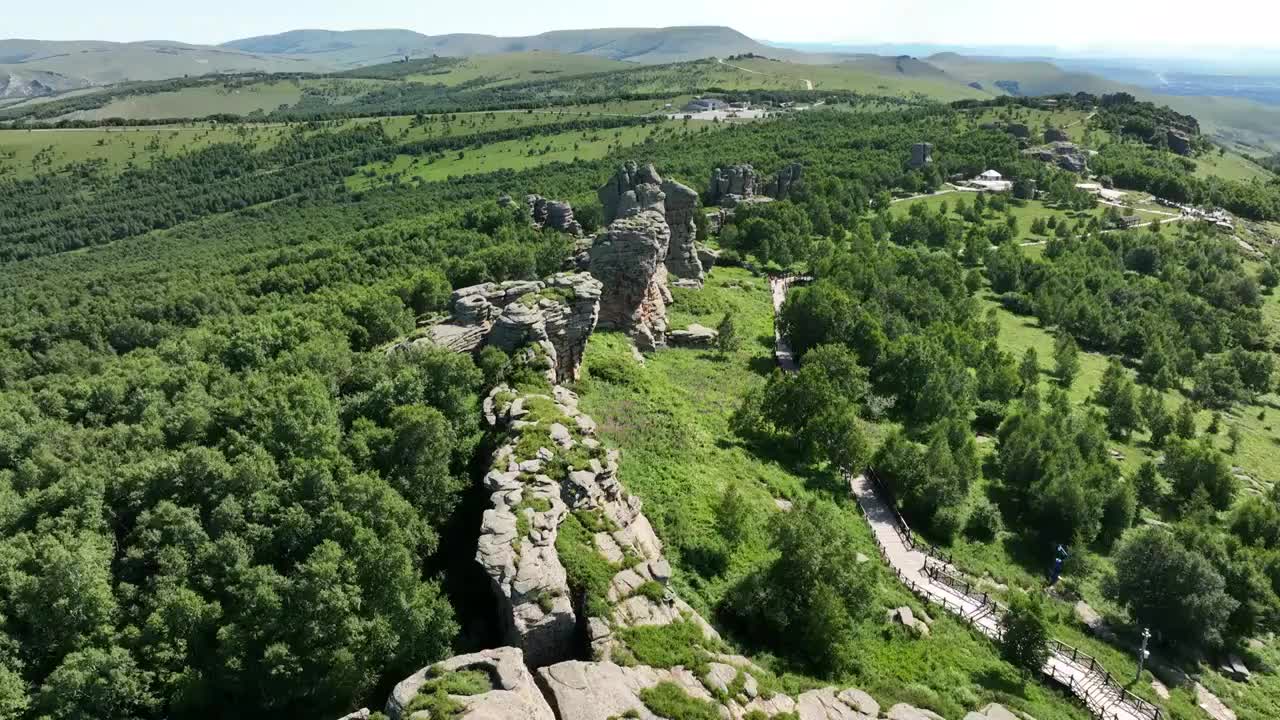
930, 575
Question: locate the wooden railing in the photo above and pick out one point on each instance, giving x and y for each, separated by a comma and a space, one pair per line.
1099, 690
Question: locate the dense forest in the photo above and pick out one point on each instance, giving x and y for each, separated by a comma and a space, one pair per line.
219, 495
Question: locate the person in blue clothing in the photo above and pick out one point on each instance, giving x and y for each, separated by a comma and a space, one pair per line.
1059, 558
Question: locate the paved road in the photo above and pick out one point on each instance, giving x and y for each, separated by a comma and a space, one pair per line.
782, 348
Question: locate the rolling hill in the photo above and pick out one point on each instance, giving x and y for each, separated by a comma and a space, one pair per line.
643, 45
33, 68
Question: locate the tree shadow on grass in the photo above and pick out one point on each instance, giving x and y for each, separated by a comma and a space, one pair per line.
1001, 681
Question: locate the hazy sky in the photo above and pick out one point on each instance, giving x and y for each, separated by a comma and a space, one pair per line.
1064, 23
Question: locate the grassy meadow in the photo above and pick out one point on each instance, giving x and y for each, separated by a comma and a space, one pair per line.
670, 418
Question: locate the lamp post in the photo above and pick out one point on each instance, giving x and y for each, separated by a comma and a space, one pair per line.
1142, 653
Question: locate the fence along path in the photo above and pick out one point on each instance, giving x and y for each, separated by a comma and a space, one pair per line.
930, 574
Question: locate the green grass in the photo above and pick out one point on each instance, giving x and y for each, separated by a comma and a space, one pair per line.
668, 700
513, 155
1231, 166
507, 68
1027, 213
197, 102
23, 153
670, 418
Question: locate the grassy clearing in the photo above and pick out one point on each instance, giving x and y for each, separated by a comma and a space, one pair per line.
507, 68
670, 418
23, 153
1231, 166
511, 154
1074, 122
1027, 213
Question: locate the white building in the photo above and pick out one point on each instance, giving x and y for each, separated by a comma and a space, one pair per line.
991, 181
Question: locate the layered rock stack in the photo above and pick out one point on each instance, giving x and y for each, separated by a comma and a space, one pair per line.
552, 466
787, 179
921, 155
628, 259
732, 185
1178, 141
681, 206
634, 189
553, 214
549, 321
740, 184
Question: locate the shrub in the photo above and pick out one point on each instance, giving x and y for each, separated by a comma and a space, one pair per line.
984, 521
669, 700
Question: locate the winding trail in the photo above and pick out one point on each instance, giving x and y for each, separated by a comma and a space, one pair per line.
930, 575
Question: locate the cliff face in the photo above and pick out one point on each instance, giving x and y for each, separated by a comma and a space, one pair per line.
628, 260
636, 189
550, 320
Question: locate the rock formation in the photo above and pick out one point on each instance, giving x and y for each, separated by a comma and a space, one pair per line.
1056, 135
514, 696
552, 466
730, 186
788, 178
553, 214
921, 155
694, 336
550, 321
739, 184
1178, 141
681, 205
628, 259
634, 190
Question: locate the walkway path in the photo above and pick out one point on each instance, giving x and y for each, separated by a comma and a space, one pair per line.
930, 575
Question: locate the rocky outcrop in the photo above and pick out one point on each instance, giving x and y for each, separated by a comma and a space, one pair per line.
731, 185
548, 321
1056, 135
636, 189
921, 155
552, 466
695, 335
681, 206
1178, 141
782, 184
514, 694
633, 189
740, 184
553, 214
628, 259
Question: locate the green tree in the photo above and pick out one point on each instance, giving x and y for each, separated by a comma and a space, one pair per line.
1170, 589
1146, 484
1184, 423
1066, 357
728, 340
1029, 370
813, 593
1123, 414
1024, 636
1194, 467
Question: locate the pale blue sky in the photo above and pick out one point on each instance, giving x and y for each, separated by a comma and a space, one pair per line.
1110, 24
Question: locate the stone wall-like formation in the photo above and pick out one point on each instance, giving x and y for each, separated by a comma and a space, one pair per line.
550, 320
628, 260
551, 466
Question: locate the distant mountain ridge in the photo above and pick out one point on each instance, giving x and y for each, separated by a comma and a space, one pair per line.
37, 67
643, 45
